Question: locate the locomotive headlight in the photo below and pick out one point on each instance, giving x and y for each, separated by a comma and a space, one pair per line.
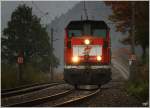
87, 41
99, 58
75, 59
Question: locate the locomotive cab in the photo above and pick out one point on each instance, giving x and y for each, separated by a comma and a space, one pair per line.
87, 53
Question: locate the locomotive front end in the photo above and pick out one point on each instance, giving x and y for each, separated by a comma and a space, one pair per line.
87, 53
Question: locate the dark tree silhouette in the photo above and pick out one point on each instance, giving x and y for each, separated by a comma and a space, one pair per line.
24, 34
122, 17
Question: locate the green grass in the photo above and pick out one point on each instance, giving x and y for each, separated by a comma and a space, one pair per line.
30, 75
8, 76
33, 75
138, 89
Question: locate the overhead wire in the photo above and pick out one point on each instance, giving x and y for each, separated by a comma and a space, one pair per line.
47, 15
38, 8
43, 14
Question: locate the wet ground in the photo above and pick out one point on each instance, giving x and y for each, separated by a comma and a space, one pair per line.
113, 97
113, 94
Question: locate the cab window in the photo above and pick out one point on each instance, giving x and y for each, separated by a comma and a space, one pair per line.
87, 29
74, 33
99, 33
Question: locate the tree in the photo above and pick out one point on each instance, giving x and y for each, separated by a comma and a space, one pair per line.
122, 17
26, 35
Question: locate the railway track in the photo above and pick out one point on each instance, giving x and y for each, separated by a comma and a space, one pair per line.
66, 97
21, 87
26, 89
77, 100
53, 89
61, 95
40, 100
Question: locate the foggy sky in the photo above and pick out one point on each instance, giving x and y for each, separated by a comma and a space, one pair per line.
96, 11
54, 8
60, 9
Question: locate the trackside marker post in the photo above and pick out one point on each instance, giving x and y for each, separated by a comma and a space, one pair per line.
20, 61
132, 58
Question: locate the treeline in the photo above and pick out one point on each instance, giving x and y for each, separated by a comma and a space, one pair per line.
25, 36
122, 16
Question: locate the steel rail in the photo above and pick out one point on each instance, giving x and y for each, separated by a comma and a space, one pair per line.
26, 90
40, 100
24, 86
72, 102
21, 87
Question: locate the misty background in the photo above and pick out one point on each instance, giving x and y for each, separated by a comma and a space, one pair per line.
60, 13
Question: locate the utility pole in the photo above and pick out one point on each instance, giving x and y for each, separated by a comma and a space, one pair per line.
51, 65
133, 29
52, 62
20, 61
132, 64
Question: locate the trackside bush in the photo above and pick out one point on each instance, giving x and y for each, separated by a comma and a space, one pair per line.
31, 75
139, 89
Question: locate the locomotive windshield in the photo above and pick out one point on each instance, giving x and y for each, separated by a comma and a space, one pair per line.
92, 28
87, 31
74, 33
99, 33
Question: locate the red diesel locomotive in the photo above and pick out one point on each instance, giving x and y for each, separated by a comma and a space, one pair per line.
87, 53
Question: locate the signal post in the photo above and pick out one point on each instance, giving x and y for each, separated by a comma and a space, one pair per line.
20, 61
132, 58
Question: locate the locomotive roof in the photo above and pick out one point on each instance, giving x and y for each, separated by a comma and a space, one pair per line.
94, 23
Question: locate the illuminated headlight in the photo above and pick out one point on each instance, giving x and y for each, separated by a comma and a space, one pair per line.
99, 58
75, 59
87, 42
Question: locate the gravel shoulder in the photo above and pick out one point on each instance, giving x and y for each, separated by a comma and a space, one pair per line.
113, 96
